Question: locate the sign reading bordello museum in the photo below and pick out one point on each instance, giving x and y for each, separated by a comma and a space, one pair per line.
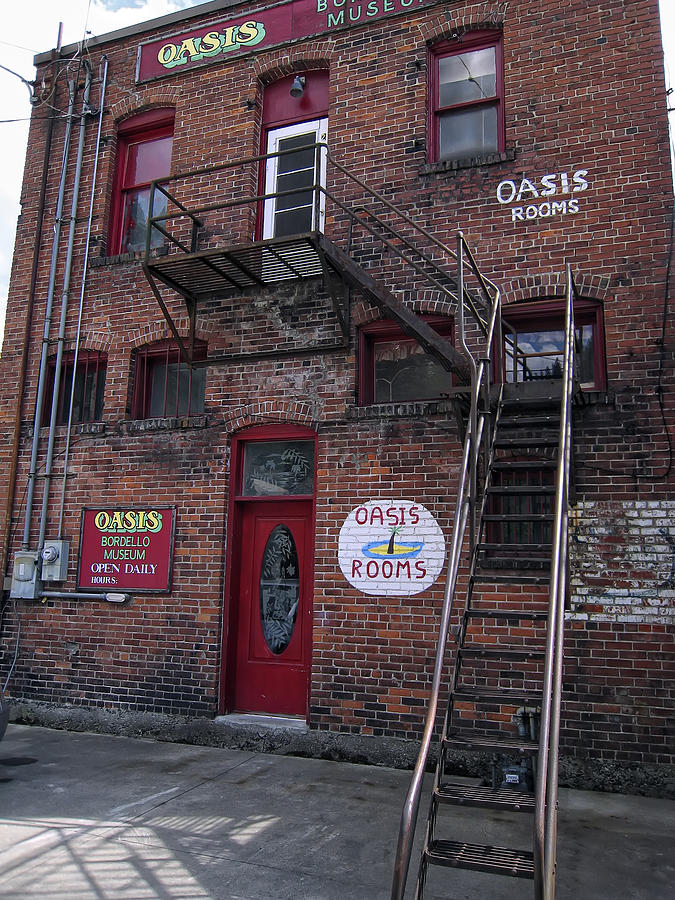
261, 29
126, 549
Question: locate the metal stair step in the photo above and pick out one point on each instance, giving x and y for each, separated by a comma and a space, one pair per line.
545, 401
516, 550
500, 696
510, 615
515, 441
523, 420
481, 858
479, 795
529, 465
518, 517
534, 490
513, 562
520, 576
468, 652
483, 743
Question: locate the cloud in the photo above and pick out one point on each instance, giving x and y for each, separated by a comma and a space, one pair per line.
30, 28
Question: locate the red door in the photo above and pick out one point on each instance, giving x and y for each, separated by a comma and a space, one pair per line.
273, 628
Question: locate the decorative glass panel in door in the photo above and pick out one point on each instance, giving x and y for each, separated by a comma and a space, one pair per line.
279, 589
278, 468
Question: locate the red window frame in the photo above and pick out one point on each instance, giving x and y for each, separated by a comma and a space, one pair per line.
90, 373
478, 40
550, 315
385, 331
153, 360
145, 128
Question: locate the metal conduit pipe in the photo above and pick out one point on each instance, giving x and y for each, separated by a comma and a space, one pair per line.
42, 378
83, 283
11, 480
64, 305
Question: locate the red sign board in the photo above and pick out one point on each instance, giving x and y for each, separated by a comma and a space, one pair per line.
261, 29
126, 549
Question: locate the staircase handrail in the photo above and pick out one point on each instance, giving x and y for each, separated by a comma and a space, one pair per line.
546, 790
463, 511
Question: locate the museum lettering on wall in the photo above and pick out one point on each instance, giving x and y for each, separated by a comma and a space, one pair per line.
545, 196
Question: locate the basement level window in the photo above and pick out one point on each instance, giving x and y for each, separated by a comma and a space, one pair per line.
466, 97
144, 145
89, 388
394, 368
165, 385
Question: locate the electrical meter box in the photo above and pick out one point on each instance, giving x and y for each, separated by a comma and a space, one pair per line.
24, 575
55, 560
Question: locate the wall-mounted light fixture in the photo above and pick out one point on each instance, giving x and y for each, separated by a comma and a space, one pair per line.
298, 86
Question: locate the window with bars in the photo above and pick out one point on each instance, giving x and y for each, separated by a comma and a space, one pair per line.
165, 385
89, 387
144, 145
466, 91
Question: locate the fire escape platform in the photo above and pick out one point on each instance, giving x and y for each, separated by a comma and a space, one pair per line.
246, 269
240, 269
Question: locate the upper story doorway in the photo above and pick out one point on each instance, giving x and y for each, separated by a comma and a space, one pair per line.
295, 117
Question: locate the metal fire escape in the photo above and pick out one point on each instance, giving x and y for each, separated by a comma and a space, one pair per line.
502, 698
208, 252
502, 701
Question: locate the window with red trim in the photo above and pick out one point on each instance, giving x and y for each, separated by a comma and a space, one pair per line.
165, 385
394, 368
89, 387
144, 145
534, 339
466, 109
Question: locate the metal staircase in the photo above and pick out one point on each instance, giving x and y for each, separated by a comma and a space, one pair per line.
510, 529
503, 701
207, 254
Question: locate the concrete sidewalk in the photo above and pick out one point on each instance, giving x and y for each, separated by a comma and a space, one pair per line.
93, 816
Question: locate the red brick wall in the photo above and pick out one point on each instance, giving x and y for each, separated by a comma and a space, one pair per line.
584, 91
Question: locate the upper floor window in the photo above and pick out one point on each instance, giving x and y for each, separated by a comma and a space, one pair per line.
143, 155
165, 385
466, 109
394, 368
89, 387
534, 339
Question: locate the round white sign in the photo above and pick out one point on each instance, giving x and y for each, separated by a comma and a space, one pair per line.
391, 547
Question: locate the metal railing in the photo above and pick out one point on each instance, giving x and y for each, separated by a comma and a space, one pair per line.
546, 789
344, 203
477, 440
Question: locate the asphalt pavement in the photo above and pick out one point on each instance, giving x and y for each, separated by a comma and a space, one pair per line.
113, 818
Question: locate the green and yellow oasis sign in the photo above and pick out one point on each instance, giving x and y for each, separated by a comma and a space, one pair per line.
263, 28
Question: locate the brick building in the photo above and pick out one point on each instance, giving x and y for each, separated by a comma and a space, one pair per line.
247, 506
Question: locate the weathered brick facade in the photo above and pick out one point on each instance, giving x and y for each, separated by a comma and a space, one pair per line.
583, 92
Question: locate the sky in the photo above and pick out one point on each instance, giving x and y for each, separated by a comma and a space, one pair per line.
31, 26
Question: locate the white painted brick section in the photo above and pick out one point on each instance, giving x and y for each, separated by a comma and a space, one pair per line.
622, 560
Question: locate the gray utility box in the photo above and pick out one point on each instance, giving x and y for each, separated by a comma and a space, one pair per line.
55, 560
24, 575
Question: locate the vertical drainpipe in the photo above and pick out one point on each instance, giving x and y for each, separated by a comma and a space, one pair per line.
11, 480
64, 306
83, 283
42, 378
